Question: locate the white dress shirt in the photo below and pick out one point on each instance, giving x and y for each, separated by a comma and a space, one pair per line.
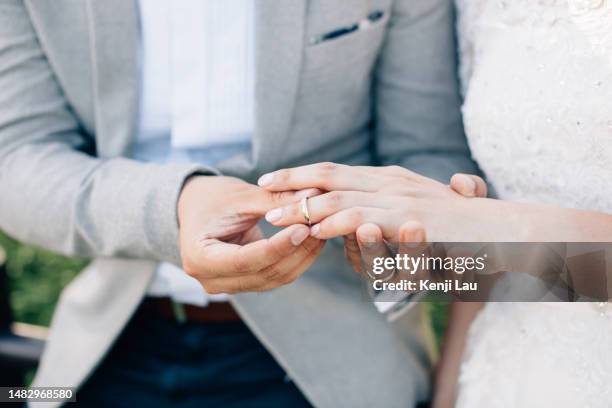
197, 96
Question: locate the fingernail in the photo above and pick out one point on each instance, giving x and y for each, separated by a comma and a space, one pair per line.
265, 180
469, 184
414, 239
315, 229
368, 239
419, 237
274, 215
299, 236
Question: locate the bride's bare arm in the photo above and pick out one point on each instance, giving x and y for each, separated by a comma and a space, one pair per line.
389, 196
460, 317
541, 223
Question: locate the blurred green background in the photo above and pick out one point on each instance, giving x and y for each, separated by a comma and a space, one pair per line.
36, 278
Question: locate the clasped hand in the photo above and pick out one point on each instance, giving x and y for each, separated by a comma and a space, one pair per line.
369, 205
222, 247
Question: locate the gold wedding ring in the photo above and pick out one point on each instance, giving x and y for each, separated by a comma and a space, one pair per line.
305, 212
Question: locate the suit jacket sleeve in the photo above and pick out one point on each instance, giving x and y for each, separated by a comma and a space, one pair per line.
418, 117
52, 192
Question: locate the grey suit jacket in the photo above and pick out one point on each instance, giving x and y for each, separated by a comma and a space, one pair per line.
69, 78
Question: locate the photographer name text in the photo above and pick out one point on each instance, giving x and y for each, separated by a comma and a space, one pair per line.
404, 285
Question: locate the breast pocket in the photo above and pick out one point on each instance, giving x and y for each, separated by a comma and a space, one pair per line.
337, 78
343, 46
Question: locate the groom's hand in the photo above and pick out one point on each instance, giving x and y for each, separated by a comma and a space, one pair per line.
221, 245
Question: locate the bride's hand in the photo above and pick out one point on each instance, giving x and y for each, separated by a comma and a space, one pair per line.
367, 241
385, 196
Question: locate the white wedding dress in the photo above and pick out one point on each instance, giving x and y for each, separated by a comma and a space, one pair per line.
537, 81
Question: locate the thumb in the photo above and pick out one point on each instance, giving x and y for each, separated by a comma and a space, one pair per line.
468, 185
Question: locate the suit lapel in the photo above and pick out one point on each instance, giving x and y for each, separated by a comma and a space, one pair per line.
114, 31
279, 49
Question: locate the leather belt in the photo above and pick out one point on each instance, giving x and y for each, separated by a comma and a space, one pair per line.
166, 308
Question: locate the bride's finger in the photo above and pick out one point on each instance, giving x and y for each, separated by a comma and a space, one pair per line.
347, 221
326, 176
323, 206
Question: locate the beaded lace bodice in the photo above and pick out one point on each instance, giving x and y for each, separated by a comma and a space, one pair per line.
537, 79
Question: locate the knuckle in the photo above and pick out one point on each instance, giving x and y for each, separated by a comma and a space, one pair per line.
211, 288
277, 197
273, 252
312, 245
327, 167
355, 216
325, 171
241, 265
194, 270
283, 175
189, 269
293, 212
287, 278
395, 169
272, 273
335, 200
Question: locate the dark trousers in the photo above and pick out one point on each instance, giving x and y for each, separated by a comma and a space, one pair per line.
161, 363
